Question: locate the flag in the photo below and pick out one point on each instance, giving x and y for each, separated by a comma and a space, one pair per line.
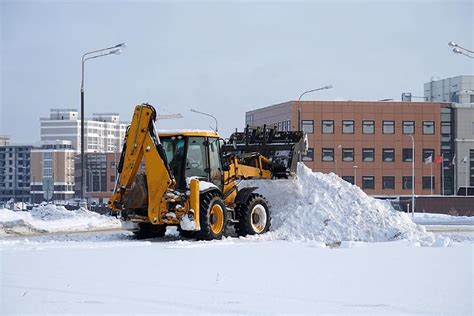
453, 162
429, 159
438, 159
464, 160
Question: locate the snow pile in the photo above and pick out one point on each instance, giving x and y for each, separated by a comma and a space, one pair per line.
325, 208
51, 218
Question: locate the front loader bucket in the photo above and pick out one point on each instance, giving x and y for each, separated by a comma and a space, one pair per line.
282, 148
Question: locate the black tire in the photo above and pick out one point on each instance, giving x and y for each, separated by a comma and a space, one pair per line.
213, 221
186, 233
250, 214
148, 230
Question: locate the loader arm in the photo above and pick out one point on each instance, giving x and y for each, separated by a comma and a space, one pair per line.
142, 142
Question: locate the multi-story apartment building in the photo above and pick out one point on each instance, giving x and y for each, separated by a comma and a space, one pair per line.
103, 133
100, 176
52, 171
15, 172
4, 140
370, 144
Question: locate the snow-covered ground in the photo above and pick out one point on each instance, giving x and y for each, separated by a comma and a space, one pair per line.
51, 219
114, 274
332, 250
442, 219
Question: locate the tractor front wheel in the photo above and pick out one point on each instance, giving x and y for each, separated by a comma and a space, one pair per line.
148, 230
212, 217
254, 216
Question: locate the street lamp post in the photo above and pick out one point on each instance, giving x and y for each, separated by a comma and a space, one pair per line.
335, 159
313, 90
113, 50
458, 49
207, 114
355, 174
412, 174
299, 107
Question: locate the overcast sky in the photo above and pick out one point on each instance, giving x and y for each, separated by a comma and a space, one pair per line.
222, 58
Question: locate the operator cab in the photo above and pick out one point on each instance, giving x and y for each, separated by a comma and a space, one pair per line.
193, 155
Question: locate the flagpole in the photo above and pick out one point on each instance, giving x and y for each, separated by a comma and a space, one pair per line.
465, 161
431, 176
455, 169
442, 173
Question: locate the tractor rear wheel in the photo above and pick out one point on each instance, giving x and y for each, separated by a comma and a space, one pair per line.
186, 233
254, 216
148, 230
212, 217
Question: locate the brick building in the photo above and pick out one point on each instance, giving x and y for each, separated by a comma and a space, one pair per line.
369, 143
100, 176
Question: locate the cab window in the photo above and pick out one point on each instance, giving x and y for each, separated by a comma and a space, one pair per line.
215, 161
196, 162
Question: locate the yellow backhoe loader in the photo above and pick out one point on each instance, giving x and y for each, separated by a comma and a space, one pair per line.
189, 179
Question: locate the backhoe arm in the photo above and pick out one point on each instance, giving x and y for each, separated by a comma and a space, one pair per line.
141, 141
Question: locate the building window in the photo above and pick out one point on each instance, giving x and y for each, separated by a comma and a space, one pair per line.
112, 178
388, 182
428, 127
347, 127
368, 154
428, 153
445, 128
309, 155
368, 182
408, 127
347, 154
307, 126
407, 182
428, 182
407, 154
368, 127
388, 127
349, 179
327, 127
328, 154
388, 154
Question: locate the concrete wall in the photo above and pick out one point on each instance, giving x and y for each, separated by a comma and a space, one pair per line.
453, 205
464, 118
460, 87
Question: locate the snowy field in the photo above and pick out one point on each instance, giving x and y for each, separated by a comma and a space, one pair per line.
112, 273
52, 219
339, 252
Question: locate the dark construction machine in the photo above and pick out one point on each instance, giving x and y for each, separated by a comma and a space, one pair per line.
189, 178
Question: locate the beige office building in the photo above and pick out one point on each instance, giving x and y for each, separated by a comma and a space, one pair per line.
52, 171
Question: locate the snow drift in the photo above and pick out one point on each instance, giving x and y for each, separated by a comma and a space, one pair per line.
51, 218
325, 208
